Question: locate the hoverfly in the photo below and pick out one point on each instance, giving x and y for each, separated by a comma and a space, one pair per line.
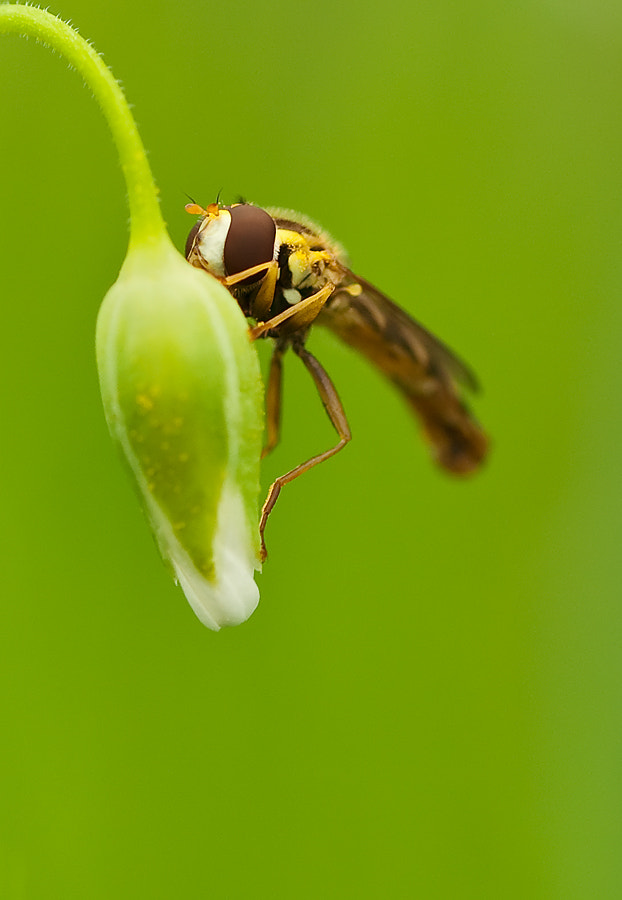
286, 273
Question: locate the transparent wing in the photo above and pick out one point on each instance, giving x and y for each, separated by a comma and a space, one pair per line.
370, 321
425, 370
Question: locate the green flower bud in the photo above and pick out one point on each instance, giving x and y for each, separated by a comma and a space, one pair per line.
182, 393
179, 376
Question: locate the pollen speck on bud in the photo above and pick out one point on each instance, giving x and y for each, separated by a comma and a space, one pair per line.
182, 394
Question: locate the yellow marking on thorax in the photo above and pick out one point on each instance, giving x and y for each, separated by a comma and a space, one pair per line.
292, 238
302, 261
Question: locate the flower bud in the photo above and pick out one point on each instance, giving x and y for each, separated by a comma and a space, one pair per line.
182, 394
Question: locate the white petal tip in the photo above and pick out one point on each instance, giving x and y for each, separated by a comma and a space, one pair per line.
232, 595
218, 603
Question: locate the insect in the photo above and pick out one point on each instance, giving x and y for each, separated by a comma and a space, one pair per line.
287, 274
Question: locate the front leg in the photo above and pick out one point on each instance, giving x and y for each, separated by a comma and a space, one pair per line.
297, 317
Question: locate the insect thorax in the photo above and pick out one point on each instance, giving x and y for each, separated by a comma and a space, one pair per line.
305, 267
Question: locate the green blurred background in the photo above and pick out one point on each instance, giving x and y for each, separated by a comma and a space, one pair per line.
427, 702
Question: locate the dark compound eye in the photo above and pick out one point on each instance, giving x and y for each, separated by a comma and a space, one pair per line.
191, 237
250, 240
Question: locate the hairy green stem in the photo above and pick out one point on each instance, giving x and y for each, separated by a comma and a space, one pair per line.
147, 225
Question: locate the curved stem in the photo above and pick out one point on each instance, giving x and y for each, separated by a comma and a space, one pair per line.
146, 223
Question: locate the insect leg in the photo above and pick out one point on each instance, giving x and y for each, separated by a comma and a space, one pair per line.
337, 416
265, 295
273, 401
228, 280
298, 316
